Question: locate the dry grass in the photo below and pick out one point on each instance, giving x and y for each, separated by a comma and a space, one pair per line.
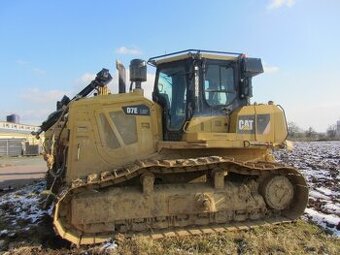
293, 238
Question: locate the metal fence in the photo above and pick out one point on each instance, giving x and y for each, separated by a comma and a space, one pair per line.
18, 147
11, 147
31, 149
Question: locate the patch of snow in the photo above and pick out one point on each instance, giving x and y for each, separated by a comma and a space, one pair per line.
21, 207
327, 221
3, 232
316, 194
109, 246
333, 208
325, 191
50, 210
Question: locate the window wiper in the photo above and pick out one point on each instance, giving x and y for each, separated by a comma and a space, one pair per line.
219, 90
178, 72
167, 80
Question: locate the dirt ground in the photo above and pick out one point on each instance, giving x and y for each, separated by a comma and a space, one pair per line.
16, 172
25, 228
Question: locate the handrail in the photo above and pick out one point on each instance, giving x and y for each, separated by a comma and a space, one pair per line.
191, 52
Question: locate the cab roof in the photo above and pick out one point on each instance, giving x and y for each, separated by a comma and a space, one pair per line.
194, 53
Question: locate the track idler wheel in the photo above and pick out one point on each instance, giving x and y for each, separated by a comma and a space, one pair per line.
278, 192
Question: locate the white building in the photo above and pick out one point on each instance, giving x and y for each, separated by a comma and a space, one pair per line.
16, 139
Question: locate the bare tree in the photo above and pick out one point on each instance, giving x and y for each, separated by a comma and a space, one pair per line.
310, 133
331, 131
294, 130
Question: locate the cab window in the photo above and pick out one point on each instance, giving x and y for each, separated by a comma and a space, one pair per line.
219, 85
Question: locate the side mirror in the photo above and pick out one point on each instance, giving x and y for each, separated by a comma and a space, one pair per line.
252, 67
246, 88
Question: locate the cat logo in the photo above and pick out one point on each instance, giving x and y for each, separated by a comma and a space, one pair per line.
245, 125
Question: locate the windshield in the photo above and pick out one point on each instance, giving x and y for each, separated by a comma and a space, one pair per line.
172, 87
219, 84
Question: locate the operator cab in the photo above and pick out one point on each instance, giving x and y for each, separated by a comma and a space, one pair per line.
201, 83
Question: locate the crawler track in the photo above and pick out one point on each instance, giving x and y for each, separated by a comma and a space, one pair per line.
106, 191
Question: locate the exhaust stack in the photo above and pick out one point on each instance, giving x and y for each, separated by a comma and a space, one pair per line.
121, 77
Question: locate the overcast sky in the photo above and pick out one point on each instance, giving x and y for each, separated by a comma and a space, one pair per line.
52, 48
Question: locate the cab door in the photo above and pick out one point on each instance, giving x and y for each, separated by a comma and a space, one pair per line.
171, 93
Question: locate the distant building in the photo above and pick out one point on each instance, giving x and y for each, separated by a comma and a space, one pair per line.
338, 128
16, 138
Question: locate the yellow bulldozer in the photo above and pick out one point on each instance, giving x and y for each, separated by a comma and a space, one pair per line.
195, 159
